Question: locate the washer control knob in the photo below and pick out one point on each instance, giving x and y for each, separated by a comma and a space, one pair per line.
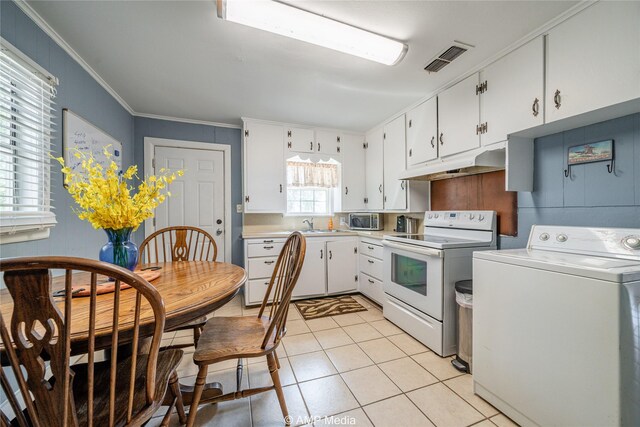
632, 242
561, 238
480, 217
544, 237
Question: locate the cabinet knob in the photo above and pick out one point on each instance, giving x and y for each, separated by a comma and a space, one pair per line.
535, 108
557, 99
441, 140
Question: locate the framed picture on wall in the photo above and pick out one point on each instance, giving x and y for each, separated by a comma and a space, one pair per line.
601, 151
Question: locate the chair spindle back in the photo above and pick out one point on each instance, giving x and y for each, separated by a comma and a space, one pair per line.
179, 243
40, 331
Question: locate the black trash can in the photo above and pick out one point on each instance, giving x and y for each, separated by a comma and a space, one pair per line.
464, 299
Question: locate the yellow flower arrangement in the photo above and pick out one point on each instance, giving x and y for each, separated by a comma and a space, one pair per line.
103, 195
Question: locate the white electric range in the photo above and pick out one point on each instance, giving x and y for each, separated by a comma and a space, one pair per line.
420, 272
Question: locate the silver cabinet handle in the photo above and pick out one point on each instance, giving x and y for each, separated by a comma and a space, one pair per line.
370, 248
346, 190
311, 146
318, 146
268, 247
269, 262
330, 255
557, 99
433, 138
281, 188
267, 241
441, 140
370, 261
321, 253
371, 281
380, 188
410, 152
535, 108
402, 185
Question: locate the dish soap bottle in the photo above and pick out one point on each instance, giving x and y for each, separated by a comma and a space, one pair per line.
330, 225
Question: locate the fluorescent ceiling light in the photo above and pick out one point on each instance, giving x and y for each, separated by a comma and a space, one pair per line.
291, 22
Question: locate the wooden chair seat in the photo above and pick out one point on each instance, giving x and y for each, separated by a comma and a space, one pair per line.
168, 362
226, 338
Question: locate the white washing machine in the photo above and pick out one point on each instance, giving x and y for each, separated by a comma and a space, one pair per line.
556, 327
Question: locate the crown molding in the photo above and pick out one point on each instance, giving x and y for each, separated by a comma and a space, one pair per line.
40, 22
190, 121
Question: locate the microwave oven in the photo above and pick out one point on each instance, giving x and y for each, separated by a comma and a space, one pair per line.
365, 221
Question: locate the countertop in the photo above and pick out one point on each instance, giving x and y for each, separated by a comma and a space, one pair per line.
378, 235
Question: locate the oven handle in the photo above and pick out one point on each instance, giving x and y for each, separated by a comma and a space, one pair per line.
414, 248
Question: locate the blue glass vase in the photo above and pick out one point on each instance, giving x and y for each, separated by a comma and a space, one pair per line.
120, 250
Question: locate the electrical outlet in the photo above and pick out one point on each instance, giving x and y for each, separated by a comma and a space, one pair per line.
343, 220
239, 208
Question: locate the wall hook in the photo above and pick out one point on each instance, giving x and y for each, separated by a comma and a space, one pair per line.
567, 172
611, 167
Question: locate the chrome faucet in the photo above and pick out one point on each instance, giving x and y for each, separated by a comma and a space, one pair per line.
309, 222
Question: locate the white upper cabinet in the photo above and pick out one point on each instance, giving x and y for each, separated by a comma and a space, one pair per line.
395, 194
513, 97
374, 178
328, 142
264, 168
353, 177
459, 117
593, 60
300, 140
422, 133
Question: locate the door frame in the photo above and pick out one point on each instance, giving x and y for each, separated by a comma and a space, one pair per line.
150, 144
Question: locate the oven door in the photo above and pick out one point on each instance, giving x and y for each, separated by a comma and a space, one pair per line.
413, 274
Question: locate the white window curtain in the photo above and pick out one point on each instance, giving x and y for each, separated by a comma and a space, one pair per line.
309, 174
26, 130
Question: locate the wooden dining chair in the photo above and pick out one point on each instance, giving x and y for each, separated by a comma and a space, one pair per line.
43, 388
225, 338
180, 243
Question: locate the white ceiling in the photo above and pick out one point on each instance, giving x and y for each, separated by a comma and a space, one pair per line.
177, 59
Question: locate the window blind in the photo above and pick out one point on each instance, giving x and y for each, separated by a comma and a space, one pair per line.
26, 131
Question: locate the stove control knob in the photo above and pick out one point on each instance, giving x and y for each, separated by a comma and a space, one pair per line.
561, 238
436, 215
544, 237
471, 216
480, 217
430, 216
632, 242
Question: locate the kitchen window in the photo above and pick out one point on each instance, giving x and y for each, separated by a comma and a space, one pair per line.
311, 186
26, 128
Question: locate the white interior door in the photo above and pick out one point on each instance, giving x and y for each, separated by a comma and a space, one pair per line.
197, 197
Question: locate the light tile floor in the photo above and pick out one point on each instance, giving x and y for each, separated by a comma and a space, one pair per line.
358, 368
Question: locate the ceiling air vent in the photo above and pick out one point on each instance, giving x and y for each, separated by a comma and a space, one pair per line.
446, 57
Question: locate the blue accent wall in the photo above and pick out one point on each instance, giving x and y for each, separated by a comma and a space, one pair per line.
145, 127
79, 92
591, 196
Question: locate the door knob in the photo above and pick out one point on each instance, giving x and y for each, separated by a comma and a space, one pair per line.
218, 231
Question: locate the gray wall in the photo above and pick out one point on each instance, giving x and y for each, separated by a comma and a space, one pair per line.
592, 197
199, 133
79, 92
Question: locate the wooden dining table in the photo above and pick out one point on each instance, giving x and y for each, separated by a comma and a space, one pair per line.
189, 289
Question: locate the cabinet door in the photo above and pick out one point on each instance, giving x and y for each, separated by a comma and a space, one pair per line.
264, 168
593, 60
300, 140
395, 194
374, 178
458, 116
422, 133
342, 265
312, 279
328, 142
513, 100
353, 180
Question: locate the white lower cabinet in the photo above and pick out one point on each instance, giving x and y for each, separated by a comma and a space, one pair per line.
330, 267
370, 277
313, 277
342, 265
